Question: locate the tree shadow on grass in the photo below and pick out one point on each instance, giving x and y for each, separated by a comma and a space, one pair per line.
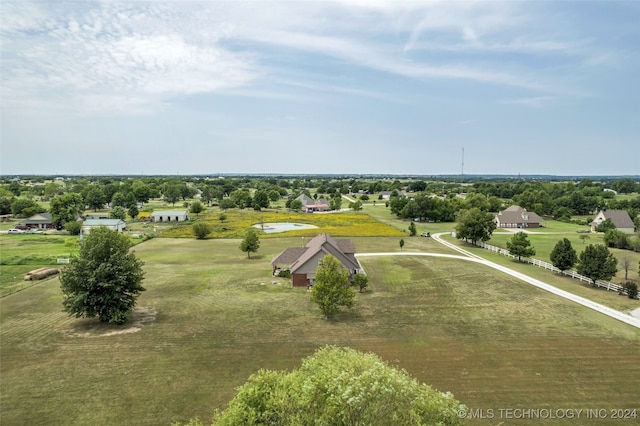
93, 327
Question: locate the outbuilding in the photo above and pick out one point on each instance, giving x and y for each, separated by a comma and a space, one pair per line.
162, 216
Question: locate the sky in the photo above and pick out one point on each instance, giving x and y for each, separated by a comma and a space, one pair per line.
320, 87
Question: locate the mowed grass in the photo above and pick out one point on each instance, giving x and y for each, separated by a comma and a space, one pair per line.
491, 340
544, 243
20, 254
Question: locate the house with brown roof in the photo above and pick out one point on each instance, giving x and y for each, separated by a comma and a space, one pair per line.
303, 262
517, 217
620, 219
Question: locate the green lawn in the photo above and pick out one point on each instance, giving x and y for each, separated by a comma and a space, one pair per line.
493, 341
544, 244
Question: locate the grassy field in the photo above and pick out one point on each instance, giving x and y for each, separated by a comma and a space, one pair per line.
20, 254
544, 244
216, 317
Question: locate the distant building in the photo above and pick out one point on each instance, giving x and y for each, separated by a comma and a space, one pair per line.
309, 205
517, 217
162, 216
40, 220
113, 224
620, 219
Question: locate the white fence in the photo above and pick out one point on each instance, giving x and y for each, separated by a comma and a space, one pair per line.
573, 274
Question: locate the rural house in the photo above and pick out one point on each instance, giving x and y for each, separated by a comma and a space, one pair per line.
309, 205
169, 216
620, 219
40, 220
517, 217
113, 224
302, 262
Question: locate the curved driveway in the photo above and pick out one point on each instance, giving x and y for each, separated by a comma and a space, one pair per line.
620, 316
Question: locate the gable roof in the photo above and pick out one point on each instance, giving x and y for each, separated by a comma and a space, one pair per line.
620, 218
343, 250
102, 222
327, 245
169, 213
39, 218
516, 214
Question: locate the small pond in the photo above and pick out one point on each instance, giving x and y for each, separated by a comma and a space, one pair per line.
272, 228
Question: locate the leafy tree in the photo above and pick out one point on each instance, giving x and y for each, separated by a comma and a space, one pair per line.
295, 205
401, 243
5, 205
118, 213
331, 287
260, 199
23, 207
339, 386
605, 226
172, 194
222, 217
227, 203
95, 198
475, 225
207, 195
356, 206
250, 243
201, 230
141, 191
15, 188
241, 198
73, 227
65, 208
626, 264
118, 199
196, 207
615, 238
584, 237
336, 201
412, 230
104, 280
563, 256
519, 245
133, 211
274, 195
362, 281
597, 263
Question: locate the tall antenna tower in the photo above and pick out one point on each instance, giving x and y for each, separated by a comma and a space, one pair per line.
462, 173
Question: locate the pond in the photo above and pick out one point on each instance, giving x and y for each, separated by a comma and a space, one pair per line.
272, 228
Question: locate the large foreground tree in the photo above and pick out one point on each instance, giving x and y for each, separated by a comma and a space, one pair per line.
104, 280
339, 386
597, 263
331, 287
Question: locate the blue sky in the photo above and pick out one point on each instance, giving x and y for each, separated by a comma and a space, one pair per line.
384, 87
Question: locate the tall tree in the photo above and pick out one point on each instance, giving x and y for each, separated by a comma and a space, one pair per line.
597, 263
95, 198
118, 213
104, 280
412, 229
23, 207
563, 256
475, 225
65, 208
331, 287
172, 194
519, 245
133, 212
339, 386
250, 243
196, 207
260, 199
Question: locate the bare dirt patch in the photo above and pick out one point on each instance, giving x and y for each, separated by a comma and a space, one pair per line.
94, 328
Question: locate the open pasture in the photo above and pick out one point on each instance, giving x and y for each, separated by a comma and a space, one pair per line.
215, 317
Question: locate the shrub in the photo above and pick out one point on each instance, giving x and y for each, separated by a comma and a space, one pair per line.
201, 230
632, 289
73, 228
